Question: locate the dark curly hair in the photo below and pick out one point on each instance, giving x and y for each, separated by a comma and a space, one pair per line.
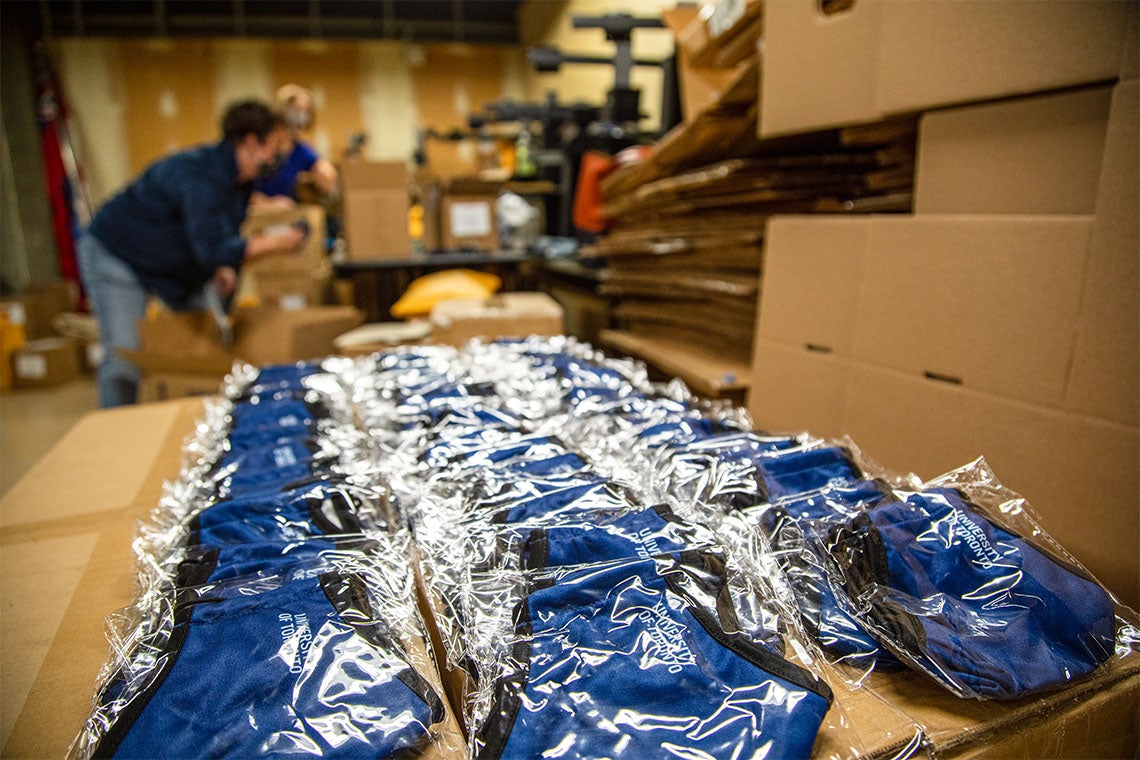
249, 117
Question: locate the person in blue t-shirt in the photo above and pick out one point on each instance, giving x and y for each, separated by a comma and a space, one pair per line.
303, 163
173, 231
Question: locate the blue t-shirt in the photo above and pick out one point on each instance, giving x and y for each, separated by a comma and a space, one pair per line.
284, 181
178, 221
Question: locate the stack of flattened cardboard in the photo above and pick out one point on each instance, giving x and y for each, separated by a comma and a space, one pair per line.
685, 249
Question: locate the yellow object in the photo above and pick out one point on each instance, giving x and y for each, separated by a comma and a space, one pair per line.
425, 292
12, 339
416, 222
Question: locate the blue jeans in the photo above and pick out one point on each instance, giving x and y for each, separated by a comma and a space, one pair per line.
119, 299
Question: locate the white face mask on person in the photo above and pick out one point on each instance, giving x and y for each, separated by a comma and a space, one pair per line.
296, 118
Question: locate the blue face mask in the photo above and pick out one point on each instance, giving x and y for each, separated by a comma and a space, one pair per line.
643, 533
825, 616
316, 510
977, 608
303, 668
629, 660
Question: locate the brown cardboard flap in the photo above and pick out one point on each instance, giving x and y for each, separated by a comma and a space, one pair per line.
876, 58
989, 300
1033, 155
706, 371
1105, 380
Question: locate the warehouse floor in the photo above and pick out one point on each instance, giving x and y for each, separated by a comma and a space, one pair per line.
32, 421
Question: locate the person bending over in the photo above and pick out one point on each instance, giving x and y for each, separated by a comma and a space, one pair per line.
174, 230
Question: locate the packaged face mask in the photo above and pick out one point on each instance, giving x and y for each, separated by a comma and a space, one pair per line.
982, 611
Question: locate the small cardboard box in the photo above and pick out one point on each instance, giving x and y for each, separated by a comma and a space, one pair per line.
42, 302
376, 207
469, 222
312, 252
506, 315
46, 362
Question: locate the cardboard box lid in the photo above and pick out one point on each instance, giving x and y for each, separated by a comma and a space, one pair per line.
364, 174
879, 58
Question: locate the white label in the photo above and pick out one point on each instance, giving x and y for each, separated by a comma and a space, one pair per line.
16, 313
95, 354
292, 302
471, 219
31, 366
726, 14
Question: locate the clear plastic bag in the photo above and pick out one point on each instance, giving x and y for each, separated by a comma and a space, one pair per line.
960, 582
325, 658
641, 657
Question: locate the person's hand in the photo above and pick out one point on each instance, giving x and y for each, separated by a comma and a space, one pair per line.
290, 239
225, 281
278, 239
272, 202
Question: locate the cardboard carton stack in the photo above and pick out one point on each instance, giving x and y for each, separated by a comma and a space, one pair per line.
686, 242
1002, 317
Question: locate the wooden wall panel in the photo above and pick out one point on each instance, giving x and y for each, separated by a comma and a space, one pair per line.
169, 98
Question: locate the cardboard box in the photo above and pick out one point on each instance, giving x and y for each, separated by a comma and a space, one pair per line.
376, 207
700, 86
12, 339
932, 340
47, 362
1078, 472
993, 303
262, 335
287, 288
503, 315
39, 304
876, 58
469, 222
313, 250
1034, 155
1039, 308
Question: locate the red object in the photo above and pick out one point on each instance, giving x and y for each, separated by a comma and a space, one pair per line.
588, 198
59, 197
